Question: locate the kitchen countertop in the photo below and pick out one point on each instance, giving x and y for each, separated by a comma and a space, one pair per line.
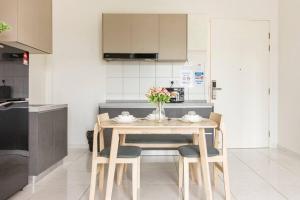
46, 107
145, 104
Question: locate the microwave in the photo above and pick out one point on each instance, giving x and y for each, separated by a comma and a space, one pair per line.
179, 97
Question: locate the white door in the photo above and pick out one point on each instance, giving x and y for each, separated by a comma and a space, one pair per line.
240, 66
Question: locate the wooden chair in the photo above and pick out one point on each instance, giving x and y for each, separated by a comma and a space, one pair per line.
191, 154
126, 154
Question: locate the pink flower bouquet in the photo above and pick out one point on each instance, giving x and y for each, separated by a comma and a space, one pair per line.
159, 95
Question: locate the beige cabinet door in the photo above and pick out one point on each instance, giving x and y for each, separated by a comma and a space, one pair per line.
45, 25
35, 24
8, 13
173, 37
31, 24
145, 33
116, 33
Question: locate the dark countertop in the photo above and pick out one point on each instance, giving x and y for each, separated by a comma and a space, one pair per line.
46, 107
145, 104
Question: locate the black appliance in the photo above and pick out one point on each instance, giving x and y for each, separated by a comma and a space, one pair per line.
178, 94
130, 56
14, 125
5, 91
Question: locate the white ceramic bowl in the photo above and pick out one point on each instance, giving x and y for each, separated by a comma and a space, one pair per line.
126, 117
192, 118
125, 120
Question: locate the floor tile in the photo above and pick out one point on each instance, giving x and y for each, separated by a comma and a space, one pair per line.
64, 177
247, 184
283, 158
59, 192
259, 174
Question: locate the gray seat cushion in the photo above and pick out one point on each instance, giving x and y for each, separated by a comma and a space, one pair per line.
192, 151
123, 152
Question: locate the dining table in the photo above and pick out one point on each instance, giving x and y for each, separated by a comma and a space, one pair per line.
167, 126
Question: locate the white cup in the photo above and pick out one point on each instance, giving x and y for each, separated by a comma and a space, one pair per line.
191, 113
125, 113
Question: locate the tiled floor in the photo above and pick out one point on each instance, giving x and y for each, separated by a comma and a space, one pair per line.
254, 174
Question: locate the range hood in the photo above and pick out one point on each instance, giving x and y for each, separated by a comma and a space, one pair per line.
130, 56
8, 53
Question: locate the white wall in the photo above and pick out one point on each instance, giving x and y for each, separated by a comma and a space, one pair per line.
289, 70
37, 80
75, 73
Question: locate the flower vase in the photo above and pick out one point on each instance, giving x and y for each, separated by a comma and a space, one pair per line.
160, 112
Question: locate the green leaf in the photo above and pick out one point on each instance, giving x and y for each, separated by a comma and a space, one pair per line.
4, 27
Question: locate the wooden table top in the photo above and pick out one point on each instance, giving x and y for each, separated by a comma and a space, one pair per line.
172, 123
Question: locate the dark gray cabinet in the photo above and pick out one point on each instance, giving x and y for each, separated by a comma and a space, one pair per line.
47, 139
60, 134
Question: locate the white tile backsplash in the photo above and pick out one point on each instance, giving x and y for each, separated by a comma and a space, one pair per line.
131, 86
147, 69
114, 85
163, 82
131, 69
176, 82
114, 96
131, 97
114, 69
145, 84
131, 80
164, 70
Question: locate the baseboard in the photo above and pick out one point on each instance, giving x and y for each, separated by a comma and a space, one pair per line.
34, 179
288, 151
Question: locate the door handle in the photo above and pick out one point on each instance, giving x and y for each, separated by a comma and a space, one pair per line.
214, 88
217, 88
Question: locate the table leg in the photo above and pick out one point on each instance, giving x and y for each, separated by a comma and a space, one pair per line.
204, 164
93, 180
120, 166
112, 164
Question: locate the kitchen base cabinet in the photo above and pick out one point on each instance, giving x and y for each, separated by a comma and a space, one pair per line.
47, 139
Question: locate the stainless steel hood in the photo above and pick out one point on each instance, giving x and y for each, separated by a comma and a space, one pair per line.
130, 56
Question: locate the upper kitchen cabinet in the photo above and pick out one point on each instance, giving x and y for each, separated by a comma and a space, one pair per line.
172, 37
31, 24
161, 37
130, 33
145, 33
116, 33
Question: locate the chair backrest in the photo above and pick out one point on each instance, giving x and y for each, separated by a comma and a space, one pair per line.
95, 141
102, 117
216, 117
219, 131
223, 134
98, 133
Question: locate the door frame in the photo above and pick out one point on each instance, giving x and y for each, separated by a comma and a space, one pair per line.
272, 139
